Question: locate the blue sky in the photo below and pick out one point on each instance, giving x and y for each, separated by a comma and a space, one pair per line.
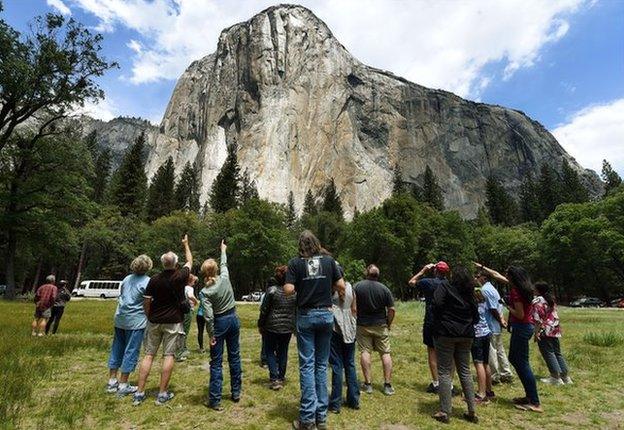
561, 62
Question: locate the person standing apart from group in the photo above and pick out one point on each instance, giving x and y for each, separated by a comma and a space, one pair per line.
499, 364
375, 313
342, 352
276, 324
63, 296
129, 322
522, 329
223, 328
44, 300
313, 276
164, 304
426, 286
547, 335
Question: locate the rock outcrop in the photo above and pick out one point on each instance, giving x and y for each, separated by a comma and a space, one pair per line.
301, 110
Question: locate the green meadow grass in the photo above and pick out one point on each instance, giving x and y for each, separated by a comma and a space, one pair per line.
58, 381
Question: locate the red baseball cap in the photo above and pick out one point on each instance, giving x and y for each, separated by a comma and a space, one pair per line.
442, 267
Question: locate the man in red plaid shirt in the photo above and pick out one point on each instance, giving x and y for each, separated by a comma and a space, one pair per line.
44, 300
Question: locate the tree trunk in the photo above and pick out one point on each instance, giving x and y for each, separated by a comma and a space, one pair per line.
83, 251
37, 276
10, 265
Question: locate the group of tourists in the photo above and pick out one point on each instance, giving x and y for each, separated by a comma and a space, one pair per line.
464, 321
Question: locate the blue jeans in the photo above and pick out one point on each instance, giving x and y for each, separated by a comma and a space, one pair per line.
125, 351
551, 352
314, 331
277, 354
226, 332
521, 334
342, 359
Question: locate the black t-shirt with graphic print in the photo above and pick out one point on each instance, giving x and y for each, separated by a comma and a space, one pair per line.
313, 279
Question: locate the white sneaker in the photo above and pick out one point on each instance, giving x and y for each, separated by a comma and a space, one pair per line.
128, 389
567, 380
552, 381
112, 388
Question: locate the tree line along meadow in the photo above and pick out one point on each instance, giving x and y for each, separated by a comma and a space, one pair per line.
64, 210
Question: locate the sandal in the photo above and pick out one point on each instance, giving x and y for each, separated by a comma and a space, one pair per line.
442, 417
472, 418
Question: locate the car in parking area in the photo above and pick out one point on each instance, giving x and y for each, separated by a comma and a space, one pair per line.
256, 296
587, 302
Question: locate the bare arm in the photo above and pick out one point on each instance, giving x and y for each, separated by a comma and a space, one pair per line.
498, 317
289, 289
493, 273
390, 316
147, 305
187, 252
354, 306
517, 310
420, 274
340, 287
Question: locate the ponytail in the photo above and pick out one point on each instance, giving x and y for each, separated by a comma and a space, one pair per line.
209, 271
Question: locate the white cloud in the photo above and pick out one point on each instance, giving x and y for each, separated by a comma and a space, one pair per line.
441, 44
104, 110
59, 6
595, 133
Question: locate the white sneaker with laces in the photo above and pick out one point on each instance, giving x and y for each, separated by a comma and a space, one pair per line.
128, 389
112, 388
552, 381
567, 380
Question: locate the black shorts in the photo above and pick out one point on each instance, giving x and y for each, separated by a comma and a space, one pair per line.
428, 335
481, 349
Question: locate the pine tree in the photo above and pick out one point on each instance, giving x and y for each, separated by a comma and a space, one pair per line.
309, 205
572, 189
129, 184
530, 209
291, 213
248, 189
101, 168
431, 192
225, 191
501, 206
610, 177
160, 196
331, 199
398, 186
187, 190
416, 192
548, 190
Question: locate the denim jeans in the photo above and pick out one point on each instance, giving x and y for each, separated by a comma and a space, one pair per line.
551, 352
125, 351
342, 359
314, 331
277, 354
226, 333
521, 334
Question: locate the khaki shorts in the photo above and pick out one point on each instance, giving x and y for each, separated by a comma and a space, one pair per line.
170, 335
373, 338
45, 314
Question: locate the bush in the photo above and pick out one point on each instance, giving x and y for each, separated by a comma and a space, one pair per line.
608, 339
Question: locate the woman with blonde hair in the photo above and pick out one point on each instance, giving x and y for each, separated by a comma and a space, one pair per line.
223, 327
130, 323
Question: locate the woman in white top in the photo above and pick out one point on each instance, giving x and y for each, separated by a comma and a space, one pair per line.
189, 292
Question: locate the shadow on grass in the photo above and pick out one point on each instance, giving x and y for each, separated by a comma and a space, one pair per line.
284, 410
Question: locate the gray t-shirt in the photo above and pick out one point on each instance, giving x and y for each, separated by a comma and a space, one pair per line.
372, 298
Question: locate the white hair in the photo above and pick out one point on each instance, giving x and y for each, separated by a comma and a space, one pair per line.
50, 279
169, 260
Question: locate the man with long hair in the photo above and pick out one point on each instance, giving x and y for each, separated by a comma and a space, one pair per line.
313, 275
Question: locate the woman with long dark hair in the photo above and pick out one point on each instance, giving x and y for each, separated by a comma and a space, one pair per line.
547, 335
454, 315
522, 329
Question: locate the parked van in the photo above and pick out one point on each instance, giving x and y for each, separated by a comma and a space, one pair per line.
101, 289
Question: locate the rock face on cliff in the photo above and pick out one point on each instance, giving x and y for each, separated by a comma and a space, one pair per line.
301, 110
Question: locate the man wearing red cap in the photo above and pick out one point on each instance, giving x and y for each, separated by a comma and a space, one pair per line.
426, 286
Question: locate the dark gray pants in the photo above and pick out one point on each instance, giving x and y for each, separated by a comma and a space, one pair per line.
454, 350
551, 352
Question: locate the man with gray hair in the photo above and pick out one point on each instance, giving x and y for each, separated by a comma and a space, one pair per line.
44, 300
163, 302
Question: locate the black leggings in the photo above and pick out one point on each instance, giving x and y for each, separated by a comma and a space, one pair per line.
55, 318
201, 323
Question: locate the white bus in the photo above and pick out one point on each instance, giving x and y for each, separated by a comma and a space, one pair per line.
101, 289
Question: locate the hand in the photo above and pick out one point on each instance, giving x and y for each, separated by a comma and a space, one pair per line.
504, 324
213, 341
412, 282
185, 240
223, 246
429, 266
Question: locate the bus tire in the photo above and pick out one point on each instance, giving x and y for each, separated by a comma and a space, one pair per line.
102, 296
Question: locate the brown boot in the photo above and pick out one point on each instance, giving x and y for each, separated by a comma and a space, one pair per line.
298, 425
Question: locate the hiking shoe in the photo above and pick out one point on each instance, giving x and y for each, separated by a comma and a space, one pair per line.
216, 408
236, 398
367, 388
112, 388
334, 410
506, 379
298, 425
180, 359
520, 400
481, 400
388, 390
496, 381
472, 418
552, 381
567, 380
276, 385
138, 398
490, 395
442, 417
321, 425
163, 398
433, 389
128, 389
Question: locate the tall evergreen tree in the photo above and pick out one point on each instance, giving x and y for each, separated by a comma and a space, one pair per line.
309, 205
431, 191
291, 213
101, 168
572, 189
530, 209
548, 190
331, 199
129, 184
248, 189
187, 190
225, 191
610, 177
398, 186
501, 206
160, 197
